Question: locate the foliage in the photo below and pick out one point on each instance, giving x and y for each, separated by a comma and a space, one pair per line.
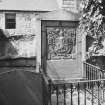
92, 20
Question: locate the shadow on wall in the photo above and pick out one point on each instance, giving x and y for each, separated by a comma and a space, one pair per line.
17, 50
7, 50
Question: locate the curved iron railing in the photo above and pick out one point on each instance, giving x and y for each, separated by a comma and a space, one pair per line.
92, 72
90, 91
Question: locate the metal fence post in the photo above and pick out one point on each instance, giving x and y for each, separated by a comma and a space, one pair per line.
78, 88
85, 93
50, 91
71, 93
98, 92
57, 94
92, 93
64, 94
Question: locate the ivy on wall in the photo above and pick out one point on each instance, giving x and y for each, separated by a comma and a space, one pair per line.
92, 22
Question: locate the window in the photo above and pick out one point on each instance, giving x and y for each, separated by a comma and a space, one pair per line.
10, 20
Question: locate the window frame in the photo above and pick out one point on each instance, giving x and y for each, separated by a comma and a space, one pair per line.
10, 20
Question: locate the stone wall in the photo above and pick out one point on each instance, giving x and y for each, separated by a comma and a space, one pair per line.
25, 23
17, 50
19, 42
18, 46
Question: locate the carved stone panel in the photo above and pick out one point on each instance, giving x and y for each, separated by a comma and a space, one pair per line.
61, 43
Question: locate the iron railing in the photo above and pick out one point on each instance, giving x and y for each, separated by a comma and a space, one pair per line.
77, 93
91, 91
92, 72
